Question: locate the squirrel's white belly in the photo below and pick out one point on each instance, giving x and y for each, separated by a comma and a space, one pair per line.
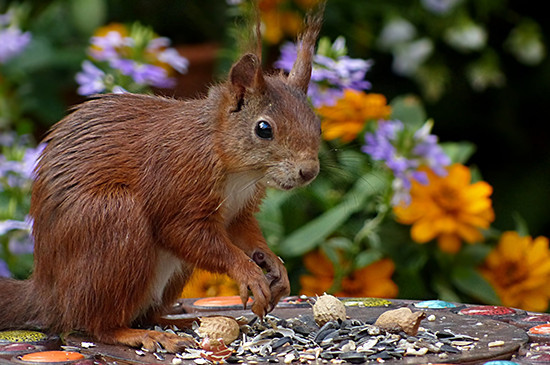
166, 266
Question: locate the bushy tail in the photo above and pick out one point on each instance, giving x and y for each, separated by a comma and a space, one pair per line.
17, 305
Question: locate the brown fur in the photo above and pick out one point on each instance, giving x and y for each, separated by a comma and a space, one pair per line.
133, 192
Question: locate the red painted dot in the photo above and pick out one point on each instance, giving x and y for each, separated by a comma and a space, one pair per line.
52, 356
487, 310
538, 318
16, 347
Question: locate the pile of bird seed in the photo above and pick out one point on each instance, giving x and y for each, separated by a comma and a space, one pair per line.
300, 340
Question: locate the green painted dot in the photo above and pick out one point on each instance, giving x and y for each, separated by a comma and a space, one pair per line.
22, 336
366, 302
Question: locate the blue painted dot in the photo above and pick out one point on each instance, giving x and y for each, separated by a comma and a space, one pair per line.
434, 304
500, 362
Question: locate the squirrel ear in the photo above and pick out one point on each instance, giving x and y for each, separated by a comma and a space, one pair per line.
300, 74
247, 74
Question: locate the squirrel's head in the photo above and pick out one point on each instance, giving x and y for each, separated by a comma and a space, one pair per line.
268, 124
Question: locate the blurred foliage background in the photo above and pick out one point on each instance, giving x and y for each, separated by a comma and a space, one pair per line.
478, 68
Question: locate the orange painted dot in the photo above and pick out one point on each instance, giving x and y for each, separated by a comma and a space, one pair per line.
220, 301
52, 356
541, 329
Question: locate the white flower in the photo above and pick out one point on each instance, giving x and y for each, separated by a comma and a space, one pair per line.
466, 37
409, 56
396, 31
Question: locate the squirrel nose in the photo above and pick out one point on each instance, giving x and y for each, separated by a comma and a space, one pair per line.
308, 173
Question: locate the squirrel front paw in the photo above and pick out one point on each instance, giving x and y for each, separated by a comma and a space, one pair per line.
251, 277
276, 275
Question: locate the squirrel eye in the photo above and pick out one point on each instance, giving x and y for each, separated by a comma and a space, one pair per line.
264, 130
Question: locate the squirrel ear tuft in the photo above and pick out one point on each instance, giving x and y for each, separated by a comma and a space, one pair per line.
247, 74
300, 74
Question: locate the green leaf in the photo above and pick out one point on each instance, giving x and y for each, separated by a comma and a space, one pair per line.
472, 255
310, 235
367, 257
409, 110
522, 228
470, 281
444, 290
459, 152
270, 216
88, 14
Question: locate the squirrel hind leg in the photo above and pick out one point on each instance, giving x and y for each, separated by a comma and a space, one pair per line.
148, 339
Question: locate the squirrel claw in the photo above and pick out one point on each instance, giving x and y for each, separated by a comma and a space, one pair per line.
243, 293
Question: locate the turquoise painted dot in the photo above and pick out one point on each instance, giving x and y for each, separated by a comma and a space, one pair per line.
434, 304
500, 362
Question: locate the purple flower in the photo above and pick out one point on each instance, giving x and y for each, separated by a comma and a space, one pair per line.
12, 42
106, 47
30, 160
20, 173
440, 7
20, 242
4, 271
287, 57
158, 43
130, 62
428, 150
404, 154
172, 57
6, 18
143, 73
152, 75
330, 75
10, 225
90, 79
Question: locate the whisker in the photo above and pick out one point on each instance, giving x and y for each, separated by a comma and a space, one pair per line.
346, 164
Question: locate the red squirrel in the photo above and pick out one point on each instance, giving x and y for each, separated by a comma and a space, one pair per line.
132, 192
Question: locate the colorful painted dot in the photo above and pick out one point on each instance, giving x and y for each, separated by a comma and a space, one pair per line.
229, 301
22, 336
487, 310
366, 302
52, 356
541, 329
500, 362
16, 347
538, 318
434, 304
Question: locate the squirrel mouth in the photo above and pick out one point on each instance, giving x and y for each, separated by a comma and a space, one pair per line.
272, 183
286, 187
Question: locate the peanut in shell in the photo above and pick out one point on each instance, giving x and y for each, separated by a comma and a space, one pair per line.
402, 319
217, 327
328, 308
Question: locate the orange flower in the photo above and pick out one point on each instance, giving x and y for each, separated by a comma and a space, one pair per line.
519, 271
279, 21
112, 27
371, 281
448, 208
347, 118
206, 284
